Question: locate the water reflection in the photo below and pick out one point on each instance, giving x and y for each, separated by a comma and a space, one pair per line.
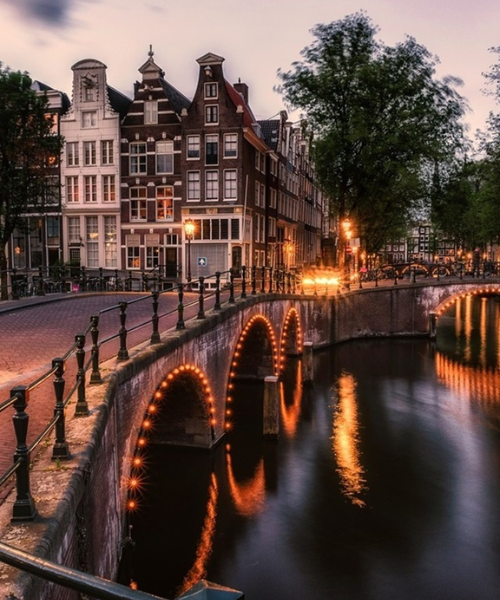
290, 388
346, 440
248, 497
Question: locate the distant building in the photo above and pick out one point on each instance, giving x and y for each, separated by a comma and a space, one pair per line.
90, 169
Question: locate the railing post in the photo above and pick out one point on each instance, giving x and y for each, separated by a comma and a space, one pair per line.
144, 282
61, 449
155, 337
254, 280
82, 408
41, 282
270, 280
180, 308
217, 291
83, 278
123, 352
128, 282
231, 286
95, 376
24, 506
414, 275
243, 282
263, 281
201, 298
395, 279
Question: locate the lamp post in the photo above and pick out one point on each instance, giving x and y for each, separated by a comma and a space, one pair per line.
346, 227
189, 228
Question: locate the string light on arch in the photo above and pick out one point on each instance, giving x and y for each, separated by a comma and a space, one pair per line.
292, 316
138, 465
237, 356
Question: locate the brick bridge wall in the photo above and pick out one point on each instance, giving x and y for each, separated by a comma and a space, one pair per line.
84, 522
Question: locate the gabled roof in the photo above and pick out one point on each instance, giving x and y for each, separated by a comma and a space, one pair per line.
238, 100
118, 101
270, 131
210, 59
176, 98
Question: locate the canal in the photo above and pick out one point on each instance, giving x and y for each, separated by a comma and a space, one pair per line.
384, 483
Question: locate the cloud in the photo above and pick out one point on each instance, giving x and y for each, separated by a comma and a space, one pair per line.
46, 12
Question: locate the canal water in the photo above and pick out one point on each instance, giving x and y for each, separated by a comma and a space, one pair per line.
384, 483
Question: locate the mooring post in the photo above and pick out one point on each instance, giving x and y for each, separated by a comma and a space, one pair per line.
271, 407
307, 363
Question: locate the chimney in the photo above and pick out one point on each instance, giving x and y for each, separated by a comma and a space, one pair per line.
242, 88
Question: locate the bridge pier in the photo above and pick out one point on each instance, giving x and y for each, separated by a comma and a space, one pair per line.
271, 407
432, 325
307, 363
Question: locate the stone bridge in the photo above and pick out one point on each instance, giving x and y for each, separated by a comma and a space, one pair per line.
179, 391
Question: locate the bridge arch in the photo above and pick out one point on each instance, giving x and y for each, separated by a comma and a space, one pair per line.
446, 303
255, 356
182, 407
291, 336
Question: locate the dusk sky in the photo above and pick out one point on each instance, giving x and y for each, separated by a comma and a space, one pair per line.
256, 37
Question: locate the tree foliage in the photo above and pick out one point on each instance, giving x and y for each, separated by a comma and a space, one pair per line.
28, 149
381, 121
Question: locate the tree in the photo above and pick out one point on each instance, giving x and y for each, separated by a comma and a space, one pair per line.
28, 149
381, 122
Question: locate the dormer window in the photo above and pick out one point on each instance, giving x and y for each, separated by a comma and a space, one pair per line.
211, 90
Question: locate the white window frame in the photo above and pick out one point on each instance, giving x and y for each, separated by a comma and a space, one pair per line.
150, 112
138, 204
165, 203
193, 147
72, 154
90, 188
230, 145
211, 114
107, 152
72, 190
108, 188
138, 161
165, 148
230, 184
89, 119
193, 186
211, 185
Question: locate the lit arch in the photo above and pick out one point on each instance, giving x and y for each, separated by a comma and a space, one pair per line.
138, 462
291, 326
486, 290
256, 319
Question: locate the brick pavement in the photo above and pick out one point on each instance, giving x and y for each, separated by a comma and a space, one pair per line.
33, 331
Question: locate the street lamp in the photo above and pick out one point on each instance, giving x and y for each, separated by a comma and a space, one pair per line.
189, 228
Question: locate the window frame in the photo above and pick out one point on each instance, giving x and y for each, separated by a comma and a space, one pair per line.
139, 159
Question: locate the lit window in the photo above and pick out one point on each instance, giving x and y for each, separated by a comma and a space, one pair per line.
133, 257
164, 203
111, 248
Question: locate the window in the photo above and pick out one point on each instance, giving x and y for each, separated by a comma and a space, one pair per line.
212, 150
230, 145
90, 188
211, 185
257, 193
152, 257
193, 146
138, 204
72, 194
230, 188
272, 199
108, 188
88, 93
138, 158
193, 185
92, 229
74, 230
89, 153
165, 203
89, 119
111, 248
217, 229
211, 114
133, 257
165, 157
72, 158
107, 157
263, 195
211, 90
52, 231
150, 111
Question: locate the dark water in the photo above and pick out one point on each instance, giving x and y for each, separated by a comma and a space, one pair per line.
384, 484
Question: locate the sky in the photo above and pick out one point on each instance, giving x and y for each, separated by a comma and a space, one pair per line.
256, 38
